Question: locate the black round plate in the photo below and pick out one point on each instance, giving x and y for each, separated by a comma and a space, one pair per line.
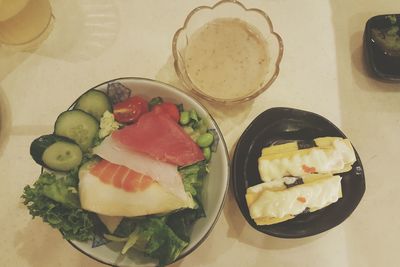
278, 125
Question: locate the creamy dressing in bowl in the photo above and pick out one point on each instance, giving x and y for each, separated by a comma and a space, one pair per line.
227, 58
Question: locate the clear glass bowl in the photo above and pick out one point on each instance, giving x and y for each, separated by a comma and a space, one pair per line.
228, 9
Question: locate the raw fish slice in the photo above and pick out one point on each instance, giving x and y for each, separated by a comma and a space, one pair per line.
161, 138
120, 176
99, 168
133, 182
108, 172
165, 174
107, 199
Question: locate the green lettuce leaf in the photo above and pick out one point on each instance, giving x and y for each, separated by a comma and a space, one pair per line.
125, 227
152, 236
181, 222
193, 177
56, 201
156, 239
62, 191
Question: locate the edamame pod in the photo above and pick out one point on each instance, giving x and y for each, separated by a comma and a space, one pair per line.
205, 140
207, 153
184, 118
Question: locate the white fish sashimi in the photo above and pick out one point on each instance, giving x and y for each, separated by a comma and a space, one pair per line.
102, 198
165, 174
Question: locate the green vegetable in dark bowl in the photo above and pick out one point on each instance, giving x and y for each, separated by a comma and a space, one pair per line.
388, 37
382, 46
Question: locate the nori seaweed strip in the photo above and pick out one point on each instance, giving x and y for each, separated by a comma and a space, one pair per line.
305, 211
298, 181
303, 144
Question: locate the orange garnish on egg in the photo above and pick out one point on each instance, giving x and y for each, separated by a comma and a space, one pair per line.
302, 199
308, 169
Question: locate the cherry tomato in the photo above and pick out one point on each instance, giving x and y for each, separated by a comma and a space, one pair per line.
130, 109
169, 109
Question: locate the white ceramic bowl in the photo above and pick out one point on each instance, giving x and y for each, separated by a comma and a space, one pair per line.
215, 186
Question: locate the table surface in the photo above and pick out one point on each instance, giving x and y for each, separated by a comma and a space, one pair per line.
322, 71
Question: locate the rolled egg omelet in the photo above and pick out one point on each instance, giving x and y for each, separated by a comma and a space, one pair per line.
328, 155
269, 204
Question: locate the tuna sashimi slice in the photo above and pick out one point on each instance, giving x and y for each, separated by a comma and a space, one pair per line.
165, 174
161, 138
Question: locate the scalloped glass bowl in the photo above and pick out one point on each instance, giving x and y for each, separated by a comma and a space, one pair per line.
256, 18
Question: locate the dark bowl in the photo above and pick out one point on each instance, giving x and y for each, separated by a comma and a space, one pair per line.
382, 64
279, 125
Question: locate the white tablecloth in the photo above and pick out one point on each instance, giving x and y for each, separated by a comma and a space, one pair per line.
322, 71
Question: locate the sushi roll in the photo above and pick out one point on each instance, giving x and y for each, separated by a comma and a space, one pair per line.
322, 155
270, 204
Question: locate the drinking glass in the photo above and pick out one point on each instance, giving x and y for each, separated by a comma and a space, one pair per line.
24, 23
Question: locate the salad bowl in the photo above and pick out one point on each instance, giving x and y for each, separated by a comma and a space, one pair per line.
215, 184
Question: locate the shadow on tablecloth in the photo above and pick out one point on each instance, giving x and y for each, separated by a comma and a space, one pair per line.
82, 30
40, 245
5, 120
369, 110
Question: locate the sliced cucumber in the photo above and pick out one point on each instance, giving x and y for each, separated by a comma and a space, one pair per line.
94, 102
62, 156
56, 152
79, 126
